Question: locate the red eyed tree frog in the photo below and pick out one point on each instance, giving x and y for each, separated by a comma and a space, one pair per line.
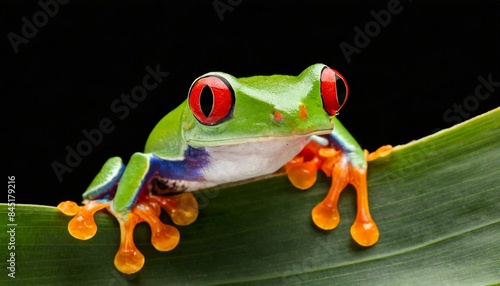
231, 129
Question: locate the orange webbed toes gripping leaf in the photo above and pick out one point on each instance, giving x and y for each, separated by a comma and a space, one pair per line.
337, 164
182, 208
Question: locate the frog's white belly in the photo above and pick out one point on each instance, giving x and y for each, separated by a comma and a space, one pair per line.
231, 163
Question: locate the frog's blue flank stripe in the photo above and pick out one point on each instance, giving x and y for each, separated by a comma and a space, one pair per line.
188, 169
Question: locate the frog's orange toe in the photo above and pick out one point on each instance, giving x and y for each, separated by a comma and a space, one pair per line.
128, 259
380, 152
82, 225
302, 170
325, 217
303, 176
68, 208
166, 238
182, 208
163, 237
82, 228
365, 233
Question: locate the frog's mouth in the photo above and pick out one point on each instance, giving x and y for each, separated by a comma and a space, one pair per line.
252, 139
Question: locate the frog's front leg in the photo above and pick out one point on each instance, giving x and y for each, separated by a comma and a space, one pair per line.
127, 194
339, 156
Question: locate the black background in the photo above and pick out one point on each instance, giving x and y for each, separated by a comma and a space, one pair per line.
64, 79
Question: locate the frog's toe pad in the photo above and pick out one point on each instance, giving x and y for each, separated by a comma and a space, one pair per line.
325, 217
82, 225
166, 239
182, 208
129, 261
68, 208
302, 174
365, 233
380, 152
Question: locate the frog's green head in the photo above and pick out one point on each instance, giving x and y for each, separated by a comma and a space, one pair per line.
222, 109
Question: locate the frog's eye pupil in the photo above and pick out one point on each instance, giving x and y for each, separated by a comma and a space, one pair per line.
206, 101
334, 90
211, 100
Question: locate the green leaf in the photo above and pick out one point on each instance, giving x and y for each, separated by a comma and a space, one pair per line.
436, 202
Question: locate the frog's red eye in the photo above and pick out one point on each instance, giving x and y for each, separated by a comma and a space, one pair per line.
334, 90
211, 100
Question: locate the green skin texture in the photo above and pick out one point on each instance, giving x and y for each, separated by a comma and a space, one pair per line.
257, 98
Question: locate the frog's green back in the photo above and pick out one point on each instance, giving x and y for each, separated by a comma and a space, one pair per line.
166, 138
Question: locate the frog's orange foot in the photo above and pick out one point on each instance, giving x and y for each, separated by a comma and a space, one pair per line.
82, 226
164, 237
183, 209
302, 170
341, 167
